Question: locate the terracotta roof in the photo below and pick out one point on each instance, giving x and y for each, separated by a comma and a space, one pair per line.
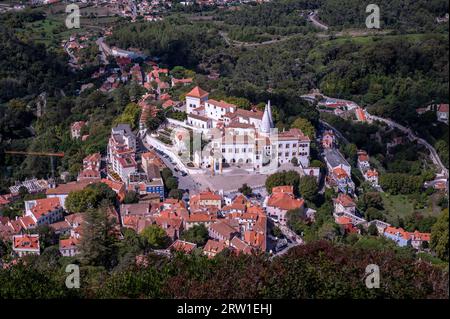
360, 114
95, 157
26, 241
340, 173
168, 103
363, 157
181, 245
89, 173
285, 201
345, 200
421, 236
221, 104
283, 189
76, 218
343, 220
44, 206
443, 108
206, 195
254, 238
71, 242
78, 125
27, 222
69, 187
201, 217
181, 81
223, 229
197, 92
6, 232
199, 117
115, 186
372, 173
62, 225
293, 133
246, 114
240, 245
214, 246
397, 232
4, 200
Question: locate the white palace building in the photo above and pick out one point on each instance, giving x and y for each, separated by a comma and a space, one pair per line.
241, 137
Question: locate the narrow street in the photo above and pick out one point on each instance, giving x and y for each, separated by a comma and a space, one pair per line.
184, 182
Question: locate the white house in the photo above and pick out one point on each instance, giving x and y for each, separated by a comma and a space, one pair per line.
26, 244
44, 211
195, 98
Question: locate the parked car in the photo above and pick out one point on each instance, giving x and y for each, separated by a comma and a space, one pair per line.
183, 173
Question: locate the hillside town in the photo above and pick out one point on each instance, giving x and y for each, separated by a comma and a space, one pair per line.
215, 149
238, 139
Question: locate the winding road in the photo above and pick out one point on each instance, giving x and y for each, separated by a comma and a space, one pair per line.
313, 18
433, 153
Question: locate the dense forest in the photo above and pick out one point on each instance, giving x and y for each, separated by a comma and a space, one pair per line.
400, 15
317, 270
174, 41
27, 68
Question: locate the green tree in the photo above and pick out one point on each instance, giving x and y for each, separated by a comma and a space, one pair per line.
129, 116
131, 197
372, 230
197, 234
305, 126
171, 183
245, 190
372, 213
155, 237
176, 193
90, 197
98, 244
439, 236
308, 187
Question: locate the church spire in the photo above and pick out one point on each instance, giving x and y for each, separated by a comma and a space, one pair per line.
266, 123
269, 109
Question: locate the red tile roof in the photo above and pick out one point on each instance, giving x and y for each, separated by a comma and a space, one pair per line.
443, 108
222, 104
27, 222
181, 245
197, 92
345, 200
283, 189
372, 173
343, 220
223, 229
214, 246
397, 231
69, 187
421, 236
340, 173
360, 114
71, 242
27, 242
45, 205
285, 201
